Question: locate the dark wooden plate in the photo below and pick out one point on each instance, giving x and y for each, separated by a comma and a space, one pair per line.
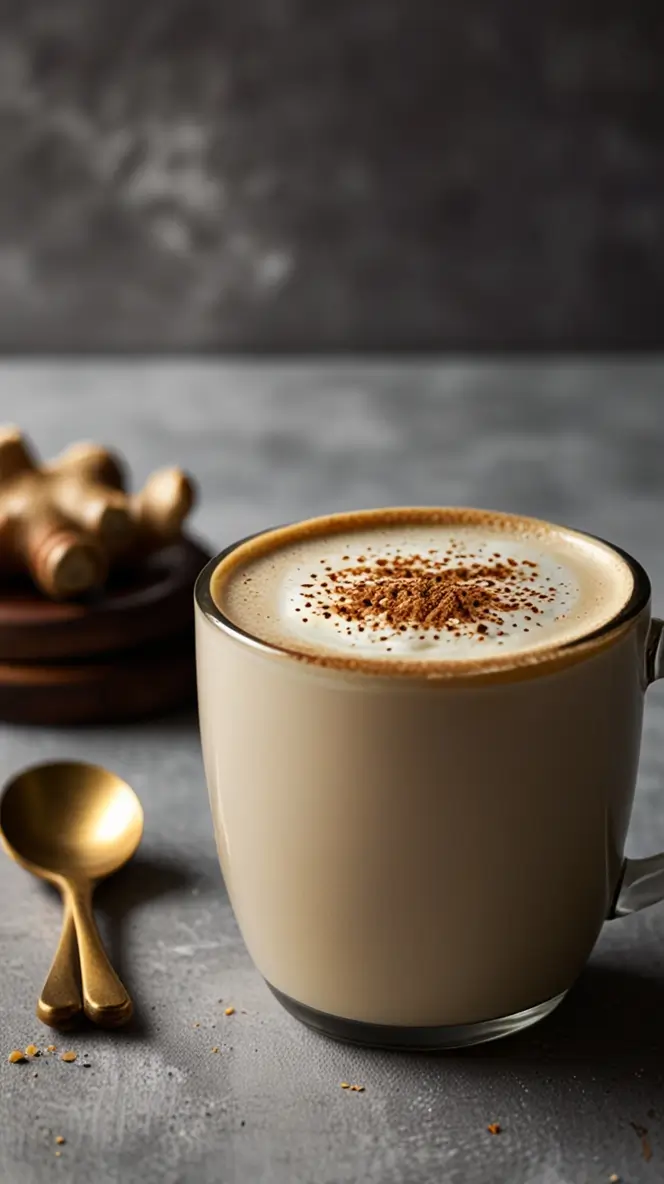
130, 685
137, 607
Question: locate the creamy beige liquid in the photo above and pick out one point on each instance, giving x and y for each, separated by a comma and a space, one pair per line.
414, 852
538, 588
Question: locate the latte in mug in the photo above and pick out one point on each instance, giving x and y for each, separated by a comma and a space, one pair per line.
421, 730
445, 591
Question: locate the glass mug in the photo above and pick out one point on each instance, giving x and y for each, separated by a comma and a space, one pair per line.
425, 863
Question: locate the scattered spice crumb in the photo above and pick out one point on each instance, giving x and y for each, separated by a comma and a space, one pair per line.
494, 1128
69, 1057
58, 1154
345, 1085
60, 1139
614, 1179
215, 1049
16, 1057
50, 1048
32, 1051
642, 1132
229, 1011
358, 1089
197, 1025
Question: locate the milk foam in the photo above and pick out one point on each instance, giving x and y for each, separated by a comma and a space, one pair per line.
565, 586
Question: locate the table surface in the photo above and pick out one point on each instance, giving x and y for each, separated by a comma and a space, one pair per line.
576, 442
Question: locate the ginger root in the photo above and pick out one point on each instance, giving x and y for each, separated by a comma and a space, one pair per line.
68, 523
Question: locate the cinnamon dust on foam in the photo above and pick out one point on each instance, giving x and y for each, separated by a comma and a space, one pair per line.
458, 593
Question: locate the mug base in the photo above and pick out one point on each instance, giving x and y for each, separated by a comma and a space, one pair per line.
415, 1039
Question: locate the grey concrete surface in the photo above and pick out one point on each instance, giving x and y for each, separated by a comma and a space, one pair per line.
583, 443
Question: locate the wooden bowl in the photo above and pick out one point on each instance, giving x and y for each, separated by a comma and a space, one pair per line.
139, 606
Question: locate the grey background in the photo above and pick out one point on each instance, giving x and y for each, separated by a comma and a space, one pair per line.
300, 175
581, 443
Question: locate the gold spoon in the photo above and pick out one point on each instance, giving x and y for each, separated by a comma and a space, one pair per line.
60, 1001
74, 824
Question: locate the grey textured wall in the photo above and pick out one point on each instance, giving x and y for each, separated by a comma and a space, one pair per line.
349, 174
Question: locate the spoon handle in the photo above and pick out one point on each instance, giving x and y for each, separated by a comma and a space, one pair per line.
60, 1000
105, 999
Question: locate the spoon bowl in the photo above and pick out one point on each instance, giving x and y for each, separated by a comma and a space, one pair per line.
68, 817
74, 824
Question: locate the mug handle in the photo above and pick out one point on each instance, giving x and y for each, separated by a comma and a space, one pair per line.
641, 881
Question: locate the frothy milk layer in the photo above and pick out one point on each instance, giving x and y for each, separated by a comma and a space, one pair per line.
436, 589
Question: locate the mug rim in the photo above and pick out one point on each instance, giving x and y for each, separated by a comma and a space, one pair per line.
539, 662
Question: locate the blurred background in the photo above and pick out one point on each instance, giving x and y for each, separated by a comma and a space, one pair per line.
290, 175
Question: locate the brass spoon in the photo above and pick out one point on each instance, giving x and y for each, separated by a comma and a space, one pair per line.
74, 824
60, 1001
